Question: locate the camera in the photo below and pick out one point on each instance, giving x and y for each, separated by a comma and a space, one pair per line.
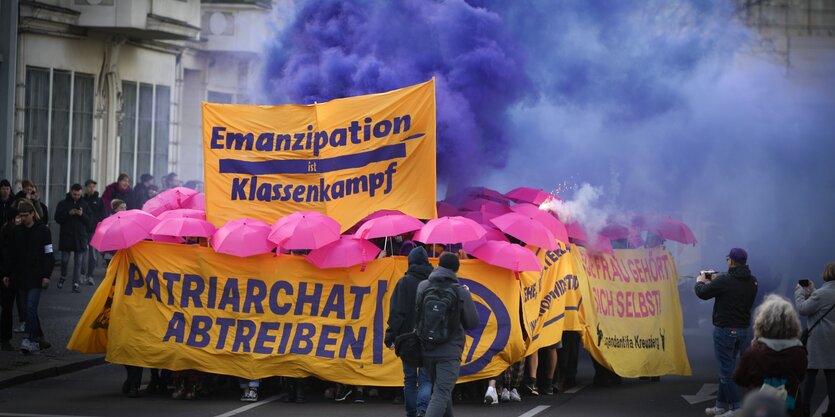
709, 273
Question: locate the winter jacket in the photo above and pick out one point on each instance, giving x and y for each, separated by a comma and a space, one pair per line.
97, 211
6, 210
29, 256
735, 292
73, 234
822, 338
773, 359
140, 195
468, 317
402, 304
113, 192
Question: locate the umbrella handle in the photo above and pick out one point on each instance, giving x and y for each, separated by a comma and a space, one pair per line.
516, 273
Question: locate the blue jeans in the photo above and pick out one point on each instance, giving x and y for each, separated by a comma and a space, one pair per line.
33, 324
77, 259
249, 383
416, 390
728, 343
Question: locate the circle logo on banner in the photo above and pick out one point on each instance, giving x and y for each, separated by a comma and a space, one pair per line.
489, 306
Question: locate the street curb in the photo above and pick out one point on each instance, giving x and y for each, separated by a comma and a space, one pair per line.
51, 371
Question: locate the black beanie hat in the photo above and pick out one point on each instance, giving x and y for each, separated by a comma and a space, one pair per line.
449, 261
418, 256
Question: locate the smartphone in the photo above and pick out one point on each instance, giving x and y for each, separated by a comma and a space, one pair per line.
803, 282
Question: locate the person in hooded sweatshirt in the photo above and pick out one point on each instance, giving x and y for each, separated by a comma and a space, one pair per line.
443, 360
776, 356
416, 385
734, 293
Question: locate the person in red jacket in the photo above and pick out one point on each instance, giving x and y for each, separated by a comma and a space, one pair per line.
119, 190
776, 357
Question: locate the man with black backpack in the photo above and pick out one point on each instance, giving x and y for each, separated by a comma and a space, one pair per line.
444, 310
416, 385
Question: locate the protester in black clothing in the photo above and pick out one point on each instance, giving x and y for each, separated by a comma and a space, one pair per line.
734, 292
8, 294
29, 260
31, 194
402, 320
140, 191
73, 214
443, 360
97, 214
6, 200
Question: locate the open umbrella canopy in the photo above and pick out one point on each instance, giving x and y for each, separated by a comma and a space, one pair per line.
123, 230
601, 244
243, 237
379, 213
345, 252
486, 193
195, 201
529, 195
507, 255
168, 200
487, 206
527, 230
304, 230
576, 231
184, 227
480, 217
446, 209
166, 239
675, 230
389, 225
446, 230
178, 213
492, 234
545, 217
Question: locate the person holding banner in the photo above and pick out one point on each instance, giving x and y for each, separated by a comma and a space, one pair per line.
443, 334
734, 292
416, 385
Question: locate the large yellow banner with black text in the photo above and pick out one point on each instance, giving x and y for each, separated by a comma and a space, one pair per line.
632, 311
346, 158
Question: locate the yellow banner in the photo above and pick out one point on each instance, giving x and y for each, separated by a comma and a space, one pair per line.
550, 298
632, 311
346, 158
186, 307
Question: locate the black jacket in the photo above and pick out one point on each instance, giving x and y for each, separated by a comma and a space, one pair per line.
735, 292
29, 255
73, 235
402, 305
6, 210
140, 195
468, 315
97, 211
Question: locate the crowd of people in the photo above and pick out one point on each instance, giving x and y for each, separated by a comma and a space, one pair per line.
782, 359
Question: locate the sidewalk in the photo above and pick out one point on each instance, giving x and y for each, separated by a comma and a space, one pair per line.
59, 312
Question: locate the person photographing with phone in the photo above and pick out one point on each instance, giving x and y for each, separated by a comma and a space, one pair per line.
734, 293
817, 306
73, 214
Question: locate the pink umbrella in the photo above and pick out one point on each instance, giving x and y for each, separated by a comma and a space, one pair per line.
545, 217
345, 252
508, 255
529, 195
168, 200
488, 206
243, 237
166, 239
615, 232
576, 231
123, 230
487, 193
390, 225
480, 217
304, 230
601, 244
446, 209
676, 230
179, 213
492, 234
184, 227
379, 213
195, 201
446, 230
527, 230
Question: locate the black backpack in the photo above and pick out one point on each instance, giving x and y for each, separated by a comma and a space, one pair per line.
437, 314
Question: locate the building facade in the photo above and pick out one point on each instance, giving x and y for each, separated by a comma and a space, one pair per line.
95, 88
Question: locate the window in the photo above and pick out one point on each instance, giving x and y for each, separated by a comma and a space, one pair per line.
144, 131
218, 97
58, 136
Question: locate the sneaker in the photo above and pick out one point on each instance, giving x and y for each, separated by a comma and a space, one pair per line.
514, 396
548, 387
343, 394
180, 392
28, 347
715, 411
531, 388
61, 283
250, 395
505, 397
729, 413
21, 328
75, 288
91, 281
491, 397
42, 343
360, 397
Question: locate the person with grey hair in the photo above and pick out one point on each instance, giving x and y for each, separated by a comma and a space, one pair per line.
776, 357
817, 306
